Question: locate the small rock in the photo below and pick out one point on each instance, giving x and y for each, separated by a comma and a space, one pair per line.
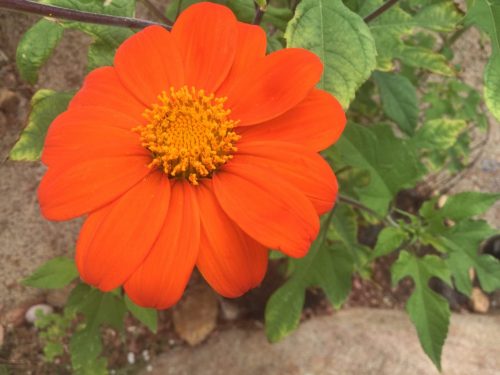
442, 201
230, 311
131, 358
8, 101
31, 314
3, 58
195, 316
479, 300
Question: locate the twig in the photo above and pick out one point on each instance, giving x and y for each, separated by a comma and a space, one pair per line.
27, 6
377, 12
179, 8
157, 12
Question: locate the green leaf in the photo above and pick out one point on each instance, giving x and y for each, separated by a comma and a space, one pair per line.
284, 309
399, 100
492, 84
467, 204
438, 134
46, 106
148, 317
56, 273
428, 311
393, 165
98, 307
486, 16
333, 268
342, 41
36, 46
424, 58
85, 347
441, 16
389, 239
329, 267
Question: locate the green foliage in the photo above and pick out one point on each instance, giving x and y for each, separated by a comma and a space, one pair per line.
399, 100
342, 41
485, 15
328, 265
404, 123
46, 105
391, 163
56, 273
36, 46
428, 310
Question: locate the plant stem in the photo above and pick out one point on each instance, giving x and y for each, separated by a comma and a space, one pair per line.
353, 202
377, 12
259, 13
157, 12
27, 6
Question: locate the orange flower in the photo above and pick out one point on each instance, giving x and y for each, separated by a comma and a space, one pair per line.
195, 149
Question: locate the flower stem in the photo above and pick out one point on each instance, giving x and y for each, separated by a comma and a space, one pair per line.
353, 202
157, 12
259, 12
379, 11
27, 6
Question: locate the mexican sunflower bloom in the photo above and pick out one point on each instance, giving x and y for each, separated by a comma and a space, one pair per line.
194, 149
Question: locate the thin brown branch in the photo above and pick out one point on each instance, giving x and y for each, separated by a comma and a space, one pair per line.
259, 12
27, 6
379, 11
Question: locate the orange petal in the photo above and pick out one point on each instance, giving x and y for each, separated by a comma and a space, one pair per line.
148, 63
115, 240
206, 35
103, 88
316, 123
78, 134
266, 207
161, 279
251, 46
304, 169
273, 85
230, 261
74, 190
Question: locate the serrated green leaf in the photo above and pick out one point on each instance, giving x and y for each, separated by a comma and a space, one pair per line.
399, 100
389, 239
393, 165
56, 273
342, 41
148, 317
428, 311
36, 46
46, 106
467, 204
424, 58
85, 347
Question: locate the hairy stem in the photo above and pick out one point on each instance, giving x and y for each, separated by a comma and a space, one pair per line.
259, 13
27, 6
379, 11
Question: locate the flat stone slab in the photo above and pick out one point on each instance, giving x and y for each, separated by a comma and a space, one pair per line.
351, 342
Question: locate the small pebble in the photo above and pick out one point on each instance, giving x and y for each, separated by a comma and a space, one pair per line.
149, 368
131, 358
31, 313
145, 355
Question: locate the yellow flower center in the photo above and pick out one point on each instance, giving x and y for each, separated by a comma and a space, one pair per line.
188, 133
